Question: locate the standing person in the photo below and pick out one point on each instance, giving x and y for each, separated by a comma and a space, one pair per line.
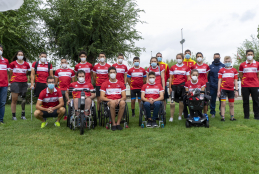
4, 67
85, 66
203, 69
249, 73
187, 60
63, 78
136, 79
213, 80
39, 72
227, 81
159, 58
121, 69
100, 75
178, 75
18, 73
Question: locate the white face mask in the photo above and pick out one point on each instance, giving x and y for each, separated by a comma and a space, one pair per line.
19, 57
81, 79
152, 80
194, 78
199, 59
120, 60
83, 59
249, 57
113, 75
1, 52
179, 61
43, 59
102, 59
64, 65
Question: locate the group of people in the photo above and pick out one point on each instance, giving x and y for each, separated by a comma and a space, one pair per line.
147, 85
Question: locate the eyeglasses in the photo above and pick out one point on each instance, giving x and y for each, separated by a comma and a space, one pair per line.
51, 82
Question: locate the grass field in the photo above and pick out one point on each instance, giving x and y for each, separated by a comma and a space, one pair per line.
226, 147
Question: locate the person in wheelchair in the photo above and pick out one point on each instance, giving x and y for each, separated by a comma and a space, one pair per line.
152, 95
114, 92
81, 84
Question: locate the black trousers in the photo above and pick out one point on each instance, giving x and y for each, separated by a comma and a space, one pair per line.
65, 101
246, 91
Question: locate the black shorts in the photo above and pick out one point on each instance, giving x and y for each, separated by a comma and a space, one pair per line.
19, 87
38, 88
53, 114
134, 94
166, 96
98, 91
227, 93
179, 92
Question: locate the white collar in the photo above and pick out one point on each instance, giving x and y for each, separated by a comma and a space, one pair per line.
55, 90
2, 58
248, 62
42, 63
152, 84
200, 65
113, 82
20, 63
137, 68
155, 67
102, 65
195, 83
179, 65
83, 63
80, 82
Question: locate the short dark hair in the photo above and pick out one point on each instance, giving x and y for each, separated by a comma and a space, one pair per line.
216, 54
50, 77
101, 53
199, 53
180, 54
249, 50
194, 70
80, 72
187, 51
82, 52
159, 53
152, 73
63, 58
136, 58
120, 55
15, 56
112, 68
43, 53
2, 46
153, 58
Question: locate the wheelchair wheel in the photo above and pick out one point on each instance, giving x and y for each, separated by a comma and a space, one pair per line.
69, 115
127, 114
82, 124
187, 124
94, 115
207, 124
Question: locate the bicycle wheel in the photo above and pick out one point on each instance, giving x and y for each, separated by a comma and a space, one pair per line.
82, 124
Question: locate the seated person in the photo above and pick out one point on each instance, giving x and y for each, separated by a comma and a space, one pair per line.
194, 83
152, 94
113, 92
50, 103
81, 84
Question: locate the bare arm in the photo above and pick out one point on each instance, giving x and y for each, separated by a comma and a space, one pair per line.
143, 97
203, 88
51, 73
188, 77
161, 97
170, 83
67, 95
236, 85
219, 83
163, 79
94, 76
39, 106
125, 78
123, 95
56, 81
129, 81
144, 80
103, 98
186, 89
61, 103
32, 77
92, 96
241, 75
73, 79
147, 78
10, 74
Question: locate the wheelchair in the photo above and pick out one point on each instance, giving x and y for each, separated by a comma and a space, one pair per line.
105, 116
143, 117
81, 121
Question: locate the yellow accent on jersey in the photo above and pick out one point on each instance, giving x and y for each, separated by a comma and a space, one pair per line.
189, 61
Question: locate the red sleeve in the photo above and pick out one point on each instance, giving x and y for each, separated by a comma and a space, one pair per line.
241, 68
113, 65
59, 93
208, 68
76, 68
11, 66
108, 65
188, 71
91, 87
192, 67
42, 95
91, 67
94, 69
7, 63
129, 72
50, 66
143, 88
28, 66
73, 73
220, 74
257, 66
162, 68
186, 85
33, 65
167, 71
103, 87
236, 74
71, 86
126, 69
123, 88
144, 73
56, 73
161, 88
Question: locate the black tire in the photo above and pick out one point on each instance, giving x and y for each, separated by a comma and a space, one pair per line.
140, 118
164, 119
82, 124
94, 116
127, 113
69, 115
187, 124
207, 124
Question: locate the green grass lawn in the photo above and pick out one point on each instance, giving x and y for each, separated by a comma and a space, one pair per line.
226, 147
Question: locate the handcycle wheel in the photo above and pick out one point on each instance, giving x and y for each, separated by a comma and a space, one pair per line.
94, 116
82, 124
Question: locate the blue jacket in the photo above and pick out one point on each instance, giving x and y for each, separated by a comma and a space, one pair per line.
213, 74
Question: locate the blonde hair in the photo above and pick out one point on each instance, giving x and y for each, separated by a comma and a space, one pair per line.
227, 58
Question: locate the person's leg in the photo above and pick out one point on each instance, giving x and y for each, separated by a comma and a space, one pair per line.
157, 105
3, 96
76, 106
121, 111
147, 109
245, 95
65, 101
112, 106
213, 94
205, 109
181, 108
61, 111
88, 103
231, 109
133, 106
172, 109
39, 115
254, 94
222, 110
13, 104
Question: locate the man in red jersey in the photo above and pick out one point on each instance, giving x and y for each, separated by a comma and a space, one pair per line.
85, 66
249, 72
114, 92
188, 61
4, 67
63, 78
203, 73
121, 69
152, 94
81, 84
178, 75
40, 71
136, 79
50, 103
227, 81
100, 75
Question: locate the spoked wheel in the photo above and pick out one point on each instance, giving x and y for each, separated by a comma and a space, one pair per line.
70, 109
82, 123
94, 116
101, 115
127, 114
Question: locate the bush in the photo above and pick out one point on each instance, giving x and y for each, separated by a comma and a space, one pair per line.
28, 98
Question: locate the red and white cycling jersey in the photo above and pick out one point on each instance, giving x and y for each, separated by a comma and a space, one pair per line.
121, 70
191, 86
64, 77
80, 86
42, 72
113, 90
158, 74
203, 70
249, 70
136, 75
87, 68
228, 75
19, 71
101, 73
152, 90
48, 99
179, 73
4, 66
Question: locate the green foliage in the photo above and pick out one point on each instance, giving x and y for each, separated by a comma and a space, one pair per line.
171, 62
92, 25
20, 30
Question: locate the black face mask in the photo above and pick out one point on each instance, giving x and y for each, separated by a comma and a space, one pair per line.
216, 60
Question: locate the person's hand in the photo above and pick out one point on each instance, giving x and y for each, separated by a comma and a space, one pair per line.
218, 94
152, 102
236, 94
32, 87
68, 102
170, 90
50, 110
116, 102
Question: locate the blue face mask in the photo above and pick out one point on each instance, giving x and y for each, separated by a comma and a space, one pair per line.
228, 64
153, 64
187, 56
159, 59
136, 63
51, 86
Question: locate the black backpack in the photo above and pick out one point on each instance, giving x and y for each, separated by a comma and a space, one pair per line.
36, 66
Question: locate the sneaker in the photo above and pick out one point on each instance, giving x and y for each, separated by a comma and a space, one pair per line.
233, 119
171, 119
23, 118
1, 122
43, 124
114, 128
179, 118
14, 118
65, 118
222, 118
154, 124
118, 127
57, 124
149, 123
213, 116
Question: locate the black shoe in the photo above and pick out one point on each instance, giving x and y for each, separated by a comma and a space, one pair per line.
154, 124
246, 117
133, 115
114, 128
149, 123
257, 118
233, 119
222, 119
119, 127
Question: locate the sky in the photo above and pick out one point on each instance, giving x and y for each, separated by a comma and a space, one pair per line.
209, 26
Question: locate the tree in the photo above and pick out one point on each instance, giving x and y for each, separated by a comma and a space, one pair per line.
19, 30
93, 26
